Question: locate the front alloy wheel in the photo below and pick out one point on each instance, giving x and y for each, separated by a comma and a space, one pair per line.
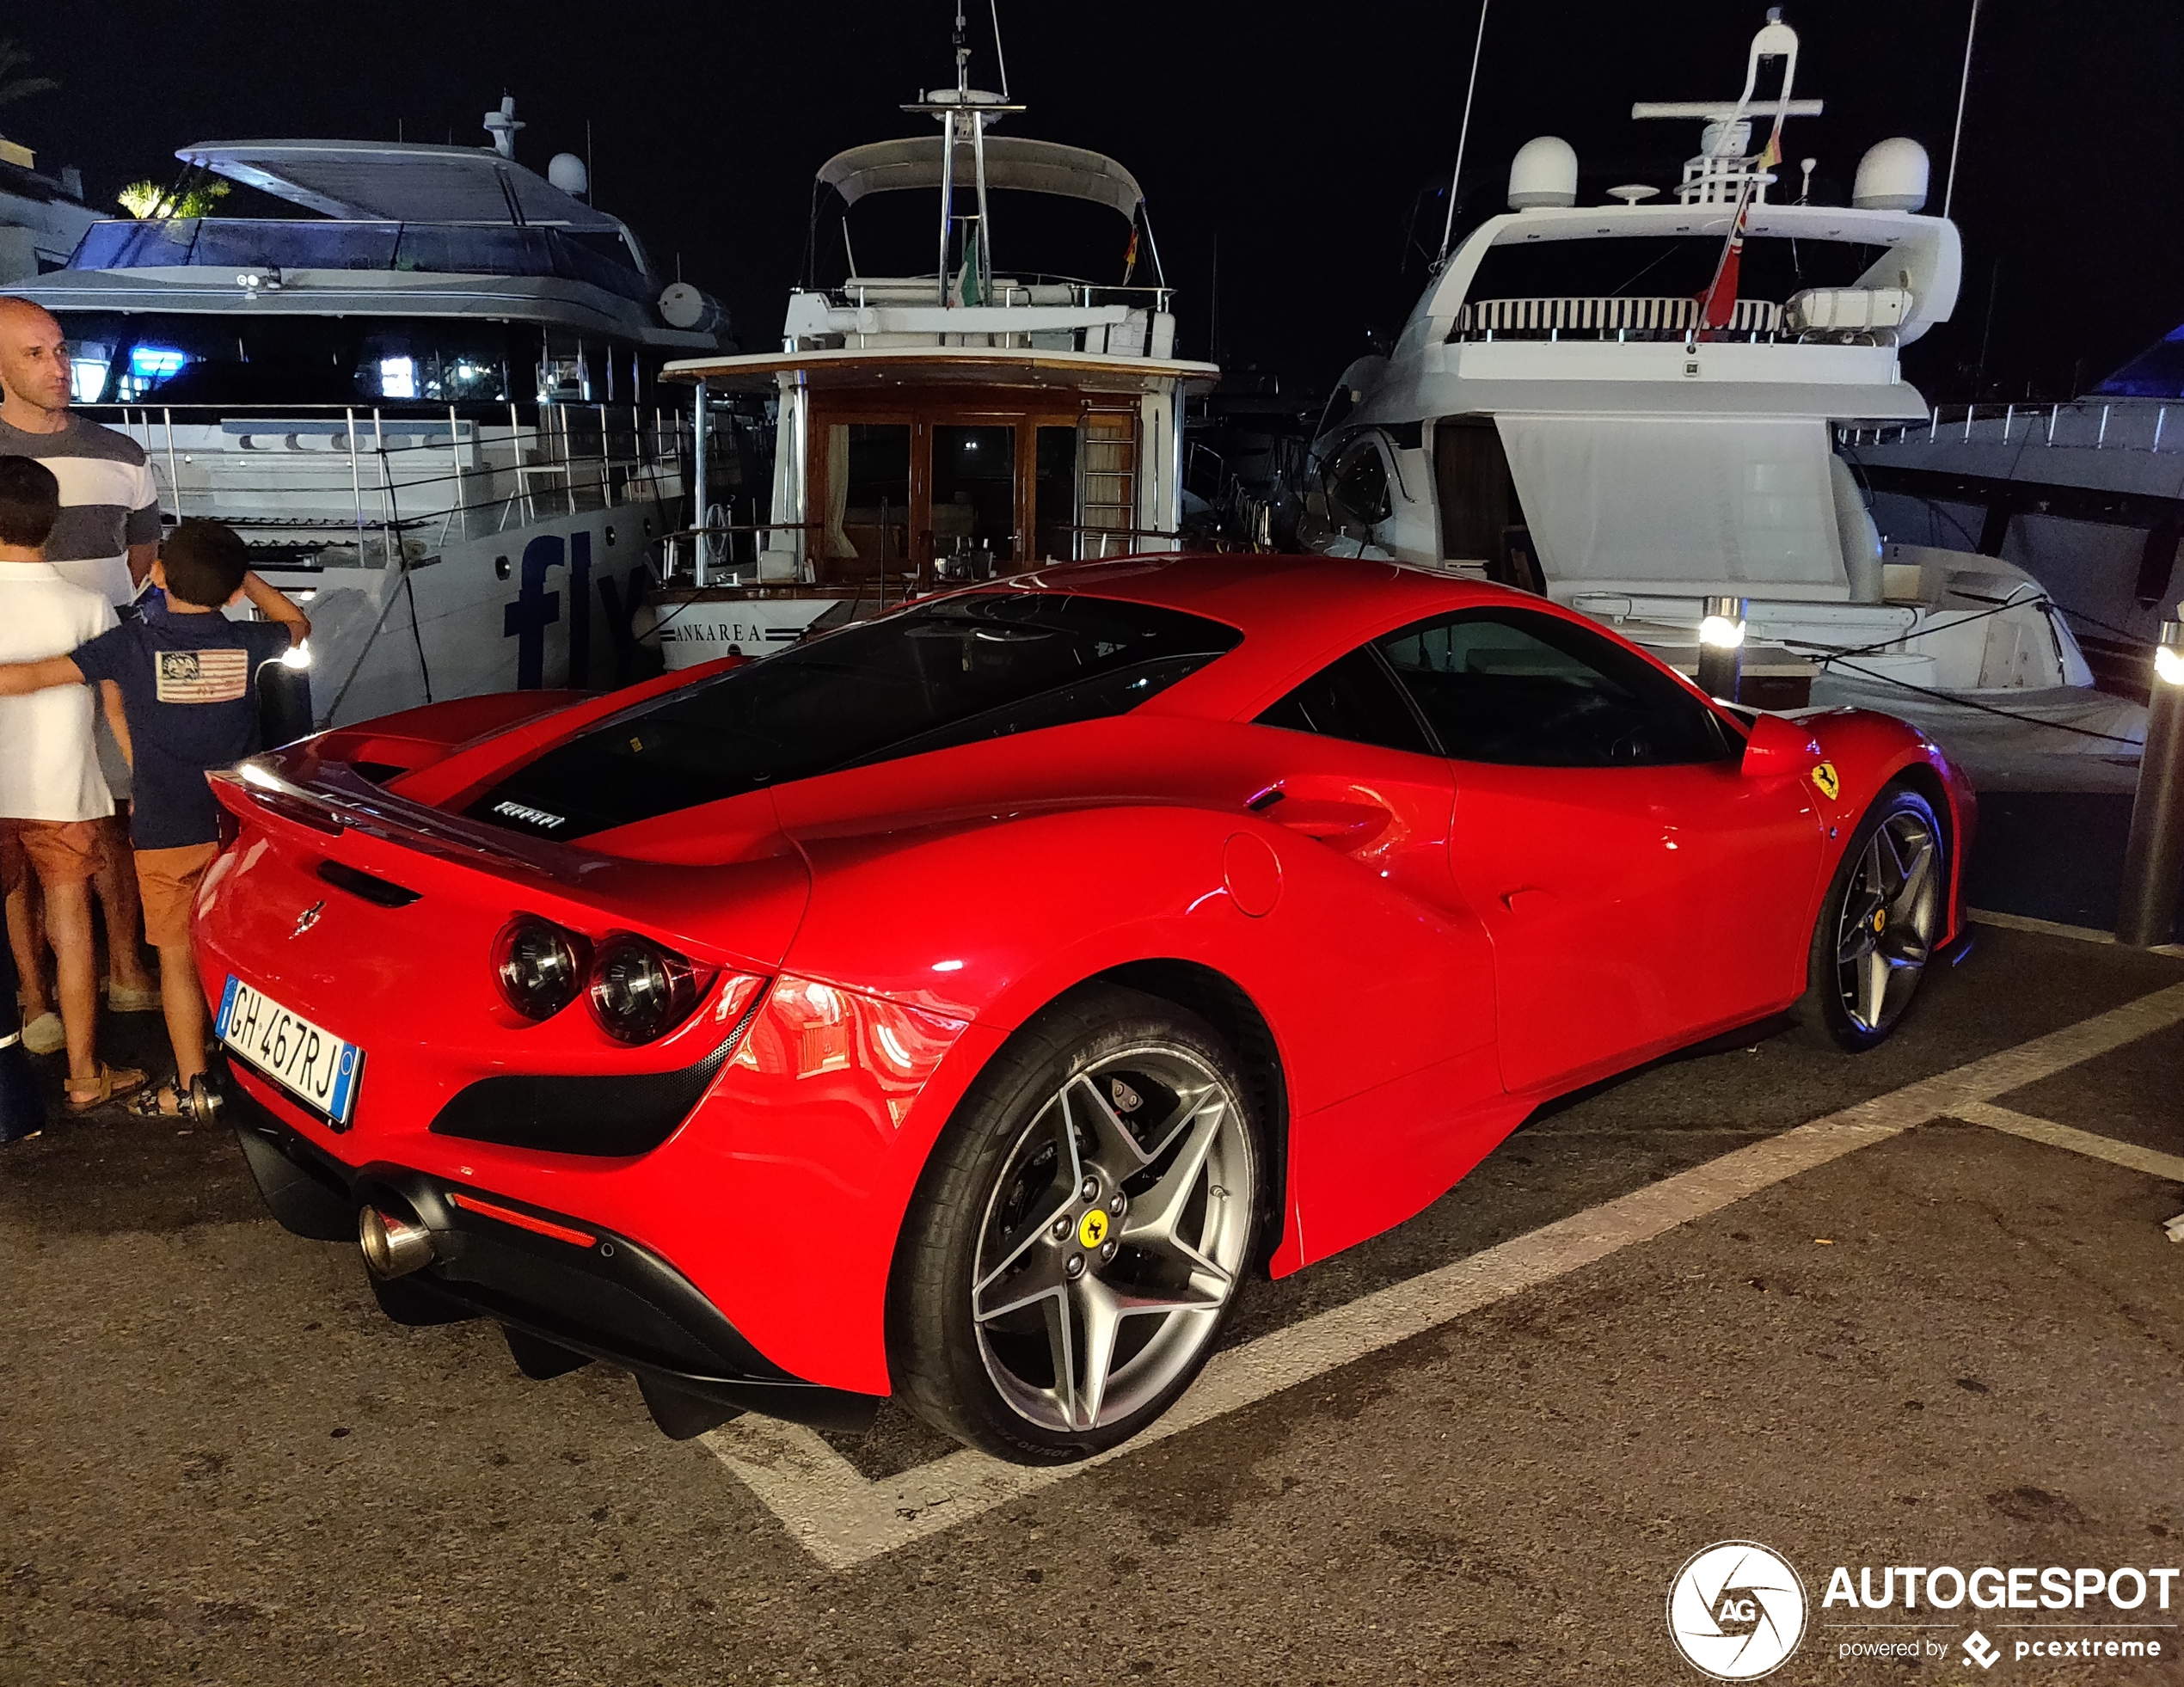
1081, 1234
1879, 924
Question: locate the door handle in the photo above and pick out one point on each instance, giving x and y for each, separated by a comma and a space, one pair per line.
1345, 825
1526, 899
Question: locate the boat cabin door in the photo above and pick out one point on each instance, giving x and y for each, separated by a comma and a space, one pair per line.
924, 495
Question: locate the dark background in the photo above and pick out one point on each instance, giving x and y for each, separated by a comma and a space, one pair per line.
1310, 142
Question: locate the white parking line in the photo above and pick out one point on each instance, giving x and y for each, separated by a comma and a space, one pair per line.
843, 1519
2150, 1161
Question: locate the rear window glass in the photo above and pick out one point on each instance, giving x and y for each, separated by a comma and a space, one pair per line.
954, 671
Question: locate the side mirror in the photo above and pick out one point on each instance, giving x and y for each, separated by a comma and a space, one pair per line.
1777, 747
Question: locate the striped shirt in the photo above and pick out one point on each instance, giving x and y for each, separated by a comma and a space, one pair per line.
108, 501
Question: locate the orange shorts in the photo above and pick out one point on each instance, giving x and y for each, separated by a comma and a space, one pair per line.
61, 852
167, 879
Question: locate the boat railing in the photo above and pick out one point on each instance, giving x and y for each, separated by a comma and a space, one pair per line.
2083, 423
313, 486
1614, 317
1008, 292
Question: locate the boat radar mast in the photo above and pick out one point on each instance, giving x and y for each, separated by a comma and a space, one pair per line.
1724, 172
964, 112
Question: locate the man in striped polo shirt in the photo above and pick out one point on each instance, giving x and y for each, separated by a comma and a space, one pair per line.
106, 539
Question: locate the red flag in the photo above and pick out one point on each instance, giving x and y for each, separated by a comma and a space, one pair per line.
1718, 305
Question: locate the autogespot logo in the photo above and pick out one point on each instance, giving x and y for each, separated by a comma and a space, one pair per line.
1736, 1611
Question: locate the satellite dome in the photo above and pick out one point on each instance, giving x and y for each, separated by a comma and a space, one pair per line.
1543, 172
683, 306
1891, 176
566, 171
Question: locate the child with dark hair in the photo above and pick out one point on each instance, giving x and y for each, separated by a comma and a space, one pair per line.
187, 680
53, 800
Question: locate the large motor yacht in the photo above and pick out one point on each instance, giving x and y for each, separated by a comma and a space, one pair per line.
1634, 406
428, 400
957, 422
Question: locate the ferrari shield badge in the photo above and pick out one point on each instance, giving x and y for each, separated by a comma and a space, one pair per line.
1825, 776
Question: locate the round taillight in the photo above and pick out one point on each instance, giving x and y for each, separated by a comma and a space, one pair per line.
640, 990
538, 966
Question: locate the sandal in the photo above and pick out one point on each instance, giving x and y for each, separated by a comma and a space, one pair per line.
85, 1094
164, 1100
120, 999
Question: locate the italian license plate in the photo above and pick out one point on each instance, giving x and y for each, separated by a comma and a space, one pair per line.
307, 1061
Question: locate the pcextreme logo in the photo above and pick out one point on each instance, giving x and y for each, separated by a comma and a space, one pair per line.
1736, 1611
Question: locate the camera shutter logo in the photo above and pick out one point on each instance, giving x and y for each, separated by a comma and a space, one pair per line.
1736, 1611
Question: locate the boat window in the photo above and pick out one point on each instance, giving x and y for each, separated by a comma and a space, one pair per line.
1357, 484
1054, 496
974, 501
1357, 699
288, 358
955, 671
1522, 689
868, 500
441, 364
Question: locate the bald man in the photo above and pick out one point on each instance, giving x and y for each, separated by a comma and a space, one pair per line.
109, 527
106, 539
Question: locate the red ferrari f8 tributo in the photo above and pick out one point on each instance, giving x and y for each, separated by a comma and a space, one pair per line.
960, 1005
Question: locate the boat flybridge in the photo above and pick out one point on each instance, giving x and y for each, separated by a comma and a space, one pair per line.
1633, 407
427, 401
956, 424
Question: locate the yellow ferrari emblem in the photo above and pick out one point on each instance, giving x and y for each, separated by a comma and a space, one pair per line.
1880, 921
1092, 1229
1825, 776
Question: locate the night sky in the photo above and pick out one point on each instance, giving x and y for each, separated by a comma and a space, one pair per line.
1310, 140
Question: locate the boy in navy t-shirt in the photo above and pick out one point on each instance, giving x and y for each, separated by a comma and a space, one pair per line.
188, 681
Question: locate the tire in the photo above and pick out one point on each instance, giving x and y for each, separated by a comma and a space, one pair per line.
1079, 1235
1877, 925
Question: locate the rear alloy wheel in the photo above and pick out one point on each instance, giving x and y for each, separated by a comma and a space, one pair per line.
1878, 927
1081, 1233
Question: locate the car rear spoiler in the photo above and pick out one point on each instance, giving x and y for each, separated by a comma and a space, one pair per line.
333, 798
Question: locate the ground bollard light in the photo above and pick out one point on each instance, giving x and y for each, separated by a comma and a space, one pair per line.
2154, 860
1721, 647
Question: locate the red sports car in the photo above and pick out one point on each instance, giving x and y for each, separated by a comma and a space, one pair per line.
958, 1006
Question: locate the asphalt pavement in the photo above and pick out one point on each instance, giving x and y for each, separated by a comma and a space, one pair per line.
1764, 1294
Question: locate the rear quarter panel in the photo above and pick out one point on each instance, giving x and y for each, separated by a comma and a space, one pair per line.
979, 926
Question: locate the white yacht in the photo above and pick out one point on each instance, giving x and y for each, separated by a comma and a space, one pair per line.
959, 421
1635, 405
429, 401
2086, 496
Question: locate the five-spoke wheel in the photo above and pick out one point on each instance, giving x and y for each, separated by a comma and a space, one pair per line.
1879, 924
1081, 1233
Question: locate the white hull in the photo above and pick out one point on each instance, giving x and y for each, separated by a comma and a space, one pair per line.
692, 629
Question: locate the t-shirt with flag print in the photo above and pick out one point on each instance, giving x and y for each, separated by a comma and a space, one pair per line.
189, 687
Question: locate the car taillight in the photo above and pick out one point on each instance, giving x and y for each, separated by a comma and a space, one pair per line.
539, 967
640, 990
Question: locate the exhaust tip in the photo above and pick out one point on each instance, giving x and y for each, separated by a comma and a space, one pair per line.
392, 1246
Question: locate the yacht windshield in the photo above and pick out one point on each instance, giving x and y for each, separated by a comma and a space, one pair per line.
439, 248
954, 671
